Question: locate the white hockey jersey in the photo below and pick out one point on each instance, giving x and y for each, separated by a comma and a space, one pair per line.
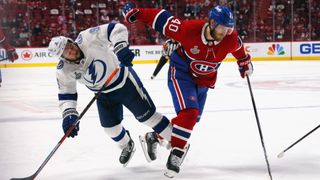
98, 63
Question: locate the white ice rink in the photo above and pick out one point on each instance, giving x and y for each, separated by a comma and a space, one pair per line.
225, 145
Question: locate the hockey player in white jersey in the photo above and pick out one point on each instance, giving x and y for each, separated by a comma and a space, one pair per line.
90, 59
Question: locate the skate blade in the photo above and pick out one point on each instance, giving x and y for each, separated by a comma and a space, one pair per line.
133, 151
144, 148
170, 174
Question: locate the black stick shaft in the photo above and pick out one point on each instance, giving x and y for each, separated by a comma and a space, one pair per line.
259, 128
4, 59
301, 138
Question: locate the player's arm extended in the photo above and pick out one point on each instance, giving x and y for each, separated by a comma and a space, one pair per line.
160, 20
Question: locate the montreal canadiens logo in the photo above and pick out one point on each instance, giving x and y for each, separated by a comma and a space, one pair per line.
96, 71
204, 67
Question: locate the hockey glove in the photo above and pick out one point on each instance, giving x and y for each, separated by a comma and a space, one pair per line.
129, 11
124, 54
69, 117
170, 46
245, 66
12, 54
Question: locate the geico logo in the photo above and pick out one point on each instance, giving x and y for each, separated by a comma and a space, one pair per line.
310, 48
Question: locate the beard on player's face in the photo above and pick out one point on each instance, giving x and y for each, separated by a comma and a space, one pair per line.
218, 32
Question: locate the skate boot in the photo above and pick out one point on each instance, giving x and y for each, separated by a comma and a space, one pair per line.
175, 160
127, 152
149, 143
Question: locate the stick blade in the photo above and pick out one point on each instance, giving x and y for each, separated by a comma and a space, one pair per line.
280, 155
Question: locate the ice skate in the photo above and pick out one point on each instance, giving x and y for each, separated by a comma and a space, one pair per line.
175, 160
127, 152
149, 143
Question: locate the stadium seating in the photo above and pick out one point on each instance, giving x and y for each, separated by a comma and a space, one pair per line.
34, 22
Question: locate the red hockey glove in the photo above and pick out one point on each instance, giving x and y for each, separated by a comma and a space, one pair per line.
129, 10
245, 66
12, 54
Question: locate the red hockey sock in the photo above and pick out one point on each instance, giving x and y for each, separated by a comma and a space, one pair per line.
182, 127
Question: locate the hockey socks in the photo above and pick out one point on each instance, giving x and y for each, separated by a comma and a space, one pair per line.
182, 127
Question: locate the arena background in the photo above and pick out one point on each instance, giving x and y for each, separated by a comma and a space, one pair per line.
271, 29
281, 35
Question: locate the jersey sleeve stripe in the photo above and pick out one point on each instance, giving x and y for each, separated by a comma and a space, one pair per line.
164, 32
110, 28
161, 20
63, 97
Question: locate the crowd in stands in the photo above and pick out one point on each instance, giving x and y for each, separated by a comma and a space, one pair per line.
35, 22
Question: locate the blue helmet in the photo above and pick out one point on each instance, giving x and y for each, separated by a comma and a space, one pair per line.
221, 15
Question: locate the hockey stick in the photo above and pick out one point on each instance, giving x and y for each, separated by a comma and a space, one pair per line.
280, 155
3, 59
259, 127
33, 176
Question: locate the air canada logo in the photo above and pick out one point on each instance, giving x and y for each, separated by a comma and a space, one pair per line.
276, 49
26, 55
96, 72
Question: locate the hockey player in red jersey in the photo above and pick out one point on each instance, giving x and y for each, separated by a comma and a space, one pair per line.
193, 66
10, 51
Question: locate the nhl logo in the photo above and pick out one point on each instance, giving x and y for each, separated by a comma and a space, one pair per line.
195, 50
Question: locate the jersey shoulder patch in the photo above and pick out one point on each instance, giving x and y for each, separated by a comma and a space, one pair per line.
60, 64
94, 29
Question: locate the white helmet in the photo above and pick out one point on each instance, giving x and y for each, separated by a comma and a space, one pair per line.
57, 45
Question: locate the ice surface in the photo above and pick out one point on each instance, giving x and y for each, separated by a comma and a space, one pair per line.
225, 145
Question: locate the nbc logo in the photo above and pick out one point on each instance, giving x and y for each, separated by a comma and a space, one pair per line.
276, 49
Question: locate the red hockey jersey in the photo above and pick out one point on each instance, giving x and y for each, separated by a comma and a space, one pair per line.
3, 41
204, 57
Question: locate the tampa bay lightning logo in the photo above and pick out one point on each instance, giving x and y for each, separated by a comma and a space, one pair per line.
96, 71
204, 67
